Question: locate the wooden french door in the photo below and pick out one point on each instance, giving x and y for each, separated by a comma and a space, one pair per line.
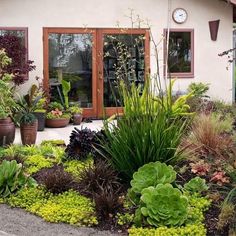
89, 59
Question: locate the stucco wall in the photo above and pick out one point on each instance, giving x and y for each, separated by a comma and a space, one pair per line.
209, 68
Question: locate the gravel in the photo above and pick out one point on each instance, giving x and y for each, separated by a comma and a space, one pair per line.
17, 222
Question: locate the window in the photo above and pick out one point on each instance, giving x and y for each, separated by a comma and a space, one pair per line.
20, 32
15, 41
180, 53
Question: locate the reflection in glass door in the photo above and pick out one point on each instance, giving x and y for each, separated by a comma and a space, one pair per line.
70, 59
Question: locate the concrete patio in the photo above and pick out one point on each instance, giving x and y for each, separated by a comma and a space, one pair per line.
60, 133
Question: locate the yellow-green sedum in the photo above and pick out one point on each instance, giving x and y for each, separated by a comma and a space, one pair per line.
189, 230
68, 207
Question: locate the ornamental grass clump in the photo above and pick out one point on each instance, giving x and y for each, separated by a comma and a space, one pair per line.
55, 179
150, 130
101, 183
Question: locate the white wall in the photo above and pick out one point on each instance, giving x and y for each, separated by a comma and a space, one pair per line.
209, 68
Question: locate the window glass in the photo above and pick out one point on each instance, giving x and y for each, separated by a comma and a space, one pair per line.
123, 60
19, 33
70, 59
180, 53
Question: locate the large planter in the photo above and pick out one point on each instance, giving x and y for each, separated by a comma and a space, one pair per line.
57, 123
7, 131
41, 120
28, 133
77, 119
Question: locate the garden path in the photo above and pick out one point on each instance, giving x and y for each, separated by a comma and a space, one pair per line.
17, 222
60, 133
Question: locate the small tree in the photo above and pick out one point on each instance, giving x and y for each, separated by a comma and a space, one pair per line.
20, 65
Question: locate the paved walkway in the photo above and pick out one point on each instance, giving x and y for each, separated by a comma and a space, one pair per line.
60, 133
17, 222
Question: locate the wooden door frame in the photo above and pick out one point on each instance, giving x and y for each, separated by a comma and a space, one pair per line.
108, 111
87, 112
98, 110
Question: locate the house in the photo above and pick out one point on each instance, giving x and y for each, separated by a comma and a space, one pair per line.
68, 39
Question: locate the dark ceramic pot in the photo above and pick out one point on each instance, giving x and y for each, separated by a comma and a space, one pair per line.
28, 133
57, 123
41, 120
7, 131
77, 119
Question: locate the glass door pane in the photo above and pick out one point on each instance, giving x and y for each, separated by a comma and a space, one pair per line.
123, 60
70, 59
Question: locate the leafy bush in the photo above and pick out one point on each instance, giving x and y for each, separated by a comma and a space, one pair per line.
20, 66
196, 185
55, 179
7, 101
198, 89
152, 174
57, 114
164, 205
12, 178
55, 105
81, 141
188, 230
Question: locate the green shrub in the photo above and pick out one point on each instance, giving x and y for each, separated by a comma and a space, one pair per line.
198, 89
152, 174
12, 178
163, 205
188, 230
196, 185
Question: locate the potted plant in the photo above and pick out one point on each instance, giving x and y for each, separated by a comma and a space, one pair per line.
40, 108
56, 117
76, 113
28, 121
7, 103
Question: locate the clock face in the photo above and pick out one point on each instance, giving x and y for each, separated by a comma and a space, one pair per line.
180, 15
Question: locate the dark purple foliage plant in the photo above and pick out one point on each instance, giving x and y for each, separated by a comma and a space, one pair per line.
16, 50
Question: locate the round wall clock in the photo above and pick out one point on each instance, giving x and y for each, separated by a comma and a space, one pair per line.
180, 15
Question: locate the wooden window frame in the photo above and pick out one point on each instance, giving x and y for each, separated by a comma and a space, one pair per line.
98, 33
180, 75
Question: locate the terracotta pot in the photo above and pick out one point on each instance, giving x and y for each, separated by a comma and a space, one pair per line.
57, 123
77, 119
7, 131
41, 120
28, 133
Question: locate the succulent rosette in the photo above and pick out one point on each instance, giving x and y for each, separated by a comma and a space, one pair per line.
164, 205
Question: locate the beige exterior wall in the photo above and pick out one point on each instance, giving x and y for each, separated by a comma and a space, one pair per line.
209, 68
